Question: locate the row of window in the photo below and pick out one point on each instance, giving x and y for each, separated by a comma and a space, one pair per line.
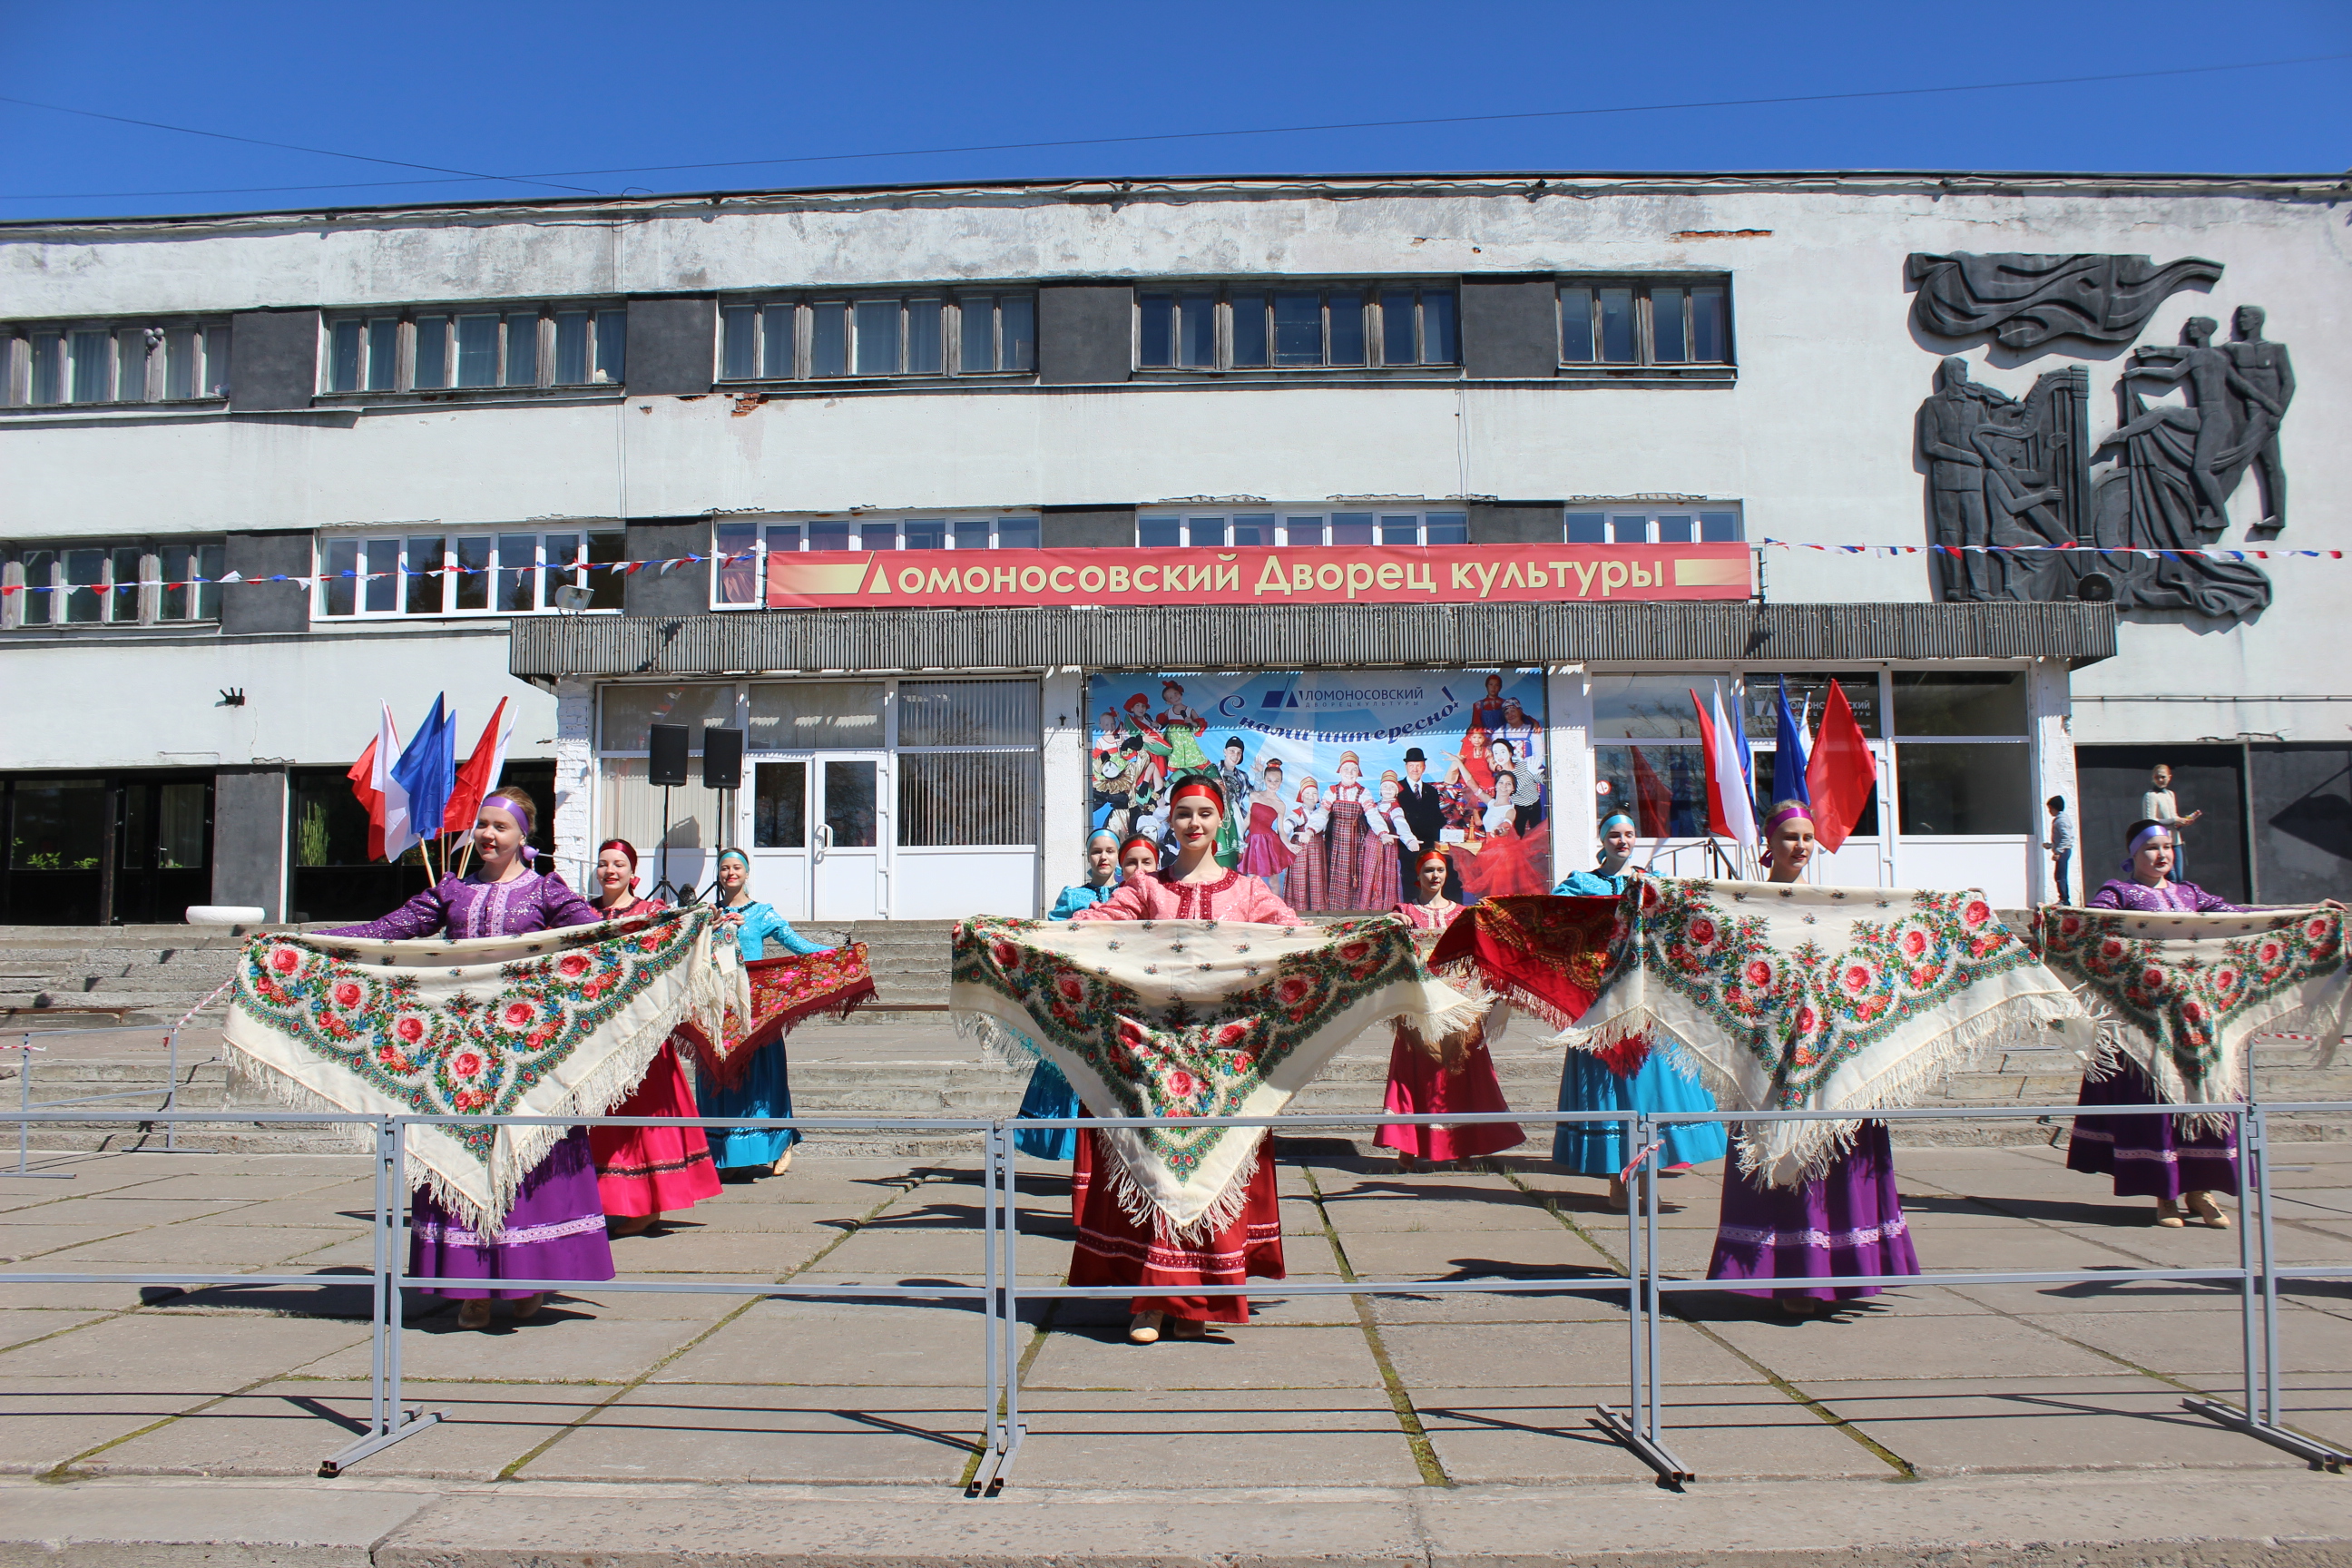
518, 571
1604, 324
534, 345
138, 362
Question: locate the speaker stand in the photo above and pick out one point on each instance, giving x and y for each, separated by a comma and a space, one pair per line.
665, 885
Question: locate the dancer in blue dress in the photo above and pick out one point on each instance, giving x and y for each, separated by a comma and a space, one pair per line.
1050, 1094
1589, 1082
766, 1087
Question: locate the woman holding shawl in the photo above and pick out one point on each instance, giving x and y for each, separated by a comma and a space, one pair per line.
1113, 1248
765, 1087
1635, 1079
1049, 1094
643, 1172
556, 1228
2148, 1156
1847, 1220
1422, 1085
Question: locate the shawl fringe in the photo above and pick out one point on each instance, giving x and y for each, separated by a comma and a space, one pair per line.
1135, 1198
731, 1071
2111, 1050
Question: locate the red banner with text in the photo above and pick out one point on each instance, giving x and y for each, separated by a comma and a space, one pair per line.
1459, 574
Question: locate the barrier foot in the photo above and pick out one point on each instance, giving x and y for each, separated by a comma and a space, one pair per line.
410, 1423
39, 1176
1003, 1448
1672, 1471
2320, 1455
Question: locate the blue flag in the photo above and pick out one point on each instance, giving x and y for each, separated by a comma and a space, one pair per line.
427, 770
1789, 755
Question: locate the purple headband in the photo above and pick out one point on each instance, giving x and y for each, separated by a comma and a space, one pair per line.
1790, 813
2141, 842
522, 814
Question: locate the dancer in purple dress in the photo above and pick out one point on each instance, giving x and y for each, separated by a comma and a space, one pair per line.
556, 1228
2148, 1156
1847, 1220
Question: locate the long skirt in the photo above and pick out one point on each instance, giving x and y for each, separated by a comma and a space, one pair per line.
1309, 887
1848, 1221
766, 1090
555, 1230
654, 1169
1420, 1085
2150, 1156
1050, 1095
1113, 1249
1600, 1148
1346, 889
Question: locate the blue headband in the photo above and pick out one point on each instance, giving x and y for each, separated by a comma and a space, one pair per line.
1614, 817
739, 855
2140, 842
1102, 833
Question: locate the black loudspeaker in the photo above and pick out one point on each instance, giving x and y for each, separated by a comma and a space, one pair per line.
722, 759
665, 764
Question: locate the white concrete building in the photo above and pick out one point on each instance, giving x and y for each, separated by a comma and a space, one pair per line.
394, 433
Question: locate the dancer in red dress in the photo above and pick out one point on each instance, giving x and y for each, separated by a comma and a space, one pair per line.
1114, 1248
642, 1172
1424, 1085
1309, 882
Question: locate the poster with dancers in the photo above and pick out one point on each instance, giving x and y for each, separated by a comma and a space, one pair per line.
1336, 779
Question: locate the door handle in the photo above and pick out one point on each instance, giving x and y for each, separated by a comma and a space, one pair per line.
824, 838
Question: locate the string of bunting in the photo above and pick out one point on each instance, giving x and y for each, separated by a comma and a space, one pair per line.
2210, 553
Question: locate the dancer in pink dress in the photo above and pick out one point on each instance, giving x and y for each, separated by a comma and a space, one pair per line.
1263, 853
1423, 1085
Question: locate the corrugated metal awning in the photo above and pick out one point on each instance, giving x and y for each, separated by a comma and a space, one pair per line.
1303, 637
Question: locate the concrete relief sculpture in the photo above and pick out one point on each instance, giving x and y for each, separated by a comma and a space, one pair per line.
2005, 471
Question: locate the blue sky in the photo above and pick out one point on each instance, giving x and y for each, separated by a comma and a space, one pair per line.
545, 89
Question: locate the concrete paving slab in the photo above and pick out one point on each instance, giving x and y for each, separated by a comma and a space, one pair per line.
1517, 1356
44, 1421
25, 1248
248, 1181
118, 1211
941, 1255
200, 1246
839, 1344
2042, 1424
2204, 1342
96, 1297
616, 1306
1252, 1355
1443, 1215
144, 1351
1148, 1441
565, 1344
1732, 1433
2099, 1296
99, 1522
1509, 1255
764, 1255
726, 1432
22, 1325
1869, 1346
1537, 1306
752, 1220
310, 1210
286, 1428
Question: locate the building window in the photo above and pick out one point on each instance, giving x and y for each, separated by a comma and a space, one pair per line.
1961, 764
1646, 522
743, 546
92, 583
434, 350
464, 573
968, 763
143, 361
1340, 326
921, 334
1244, 529
1609, 322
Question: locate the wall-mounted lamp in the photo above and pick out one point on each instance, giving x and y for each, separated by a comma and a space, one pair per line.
231, 697
572, 598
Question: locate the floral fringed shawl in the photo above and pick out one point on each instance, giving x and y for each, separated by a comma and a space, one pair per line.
785, 991
1185, 1018
550, 1023
1802, 998
2182, 996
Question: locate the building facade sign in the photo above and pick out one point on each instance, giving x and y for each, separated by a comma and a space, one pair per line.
1422, 574
1337, 779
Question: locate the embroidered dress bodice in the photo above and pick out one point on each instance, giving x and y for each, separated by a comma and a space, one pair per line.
1590, 885
1428, 917
1344, 792
1154, 896
2165, 897
1080, 896
762, 923
471, 908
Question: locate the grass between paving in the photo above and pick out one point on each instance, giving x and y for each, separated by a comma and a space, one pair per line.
1425, 1454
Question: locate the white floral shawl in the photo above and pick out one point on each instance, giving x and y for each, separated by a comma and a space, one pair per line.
1802, 998
1191, 1018
549, 1023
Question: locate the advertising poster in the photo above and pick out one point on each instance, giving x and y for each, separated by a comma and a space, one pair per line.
1337, 778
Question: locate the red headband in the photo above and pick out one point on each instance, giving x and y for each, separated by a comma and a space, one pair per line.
1426, 856
1198, 787
1136, 839
624, 846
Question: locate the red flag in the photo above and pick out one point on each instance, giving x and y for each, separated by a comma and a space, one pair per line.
1842, 772
1652, 801
1715, 821
478, 773
362, 778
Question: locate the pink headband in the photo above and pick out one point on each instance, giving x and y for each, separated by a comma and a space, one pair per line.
1787, 814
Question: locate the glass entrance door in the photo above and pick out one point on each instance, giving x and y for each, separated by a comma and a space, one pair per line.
163, 841
778, 834
850, 839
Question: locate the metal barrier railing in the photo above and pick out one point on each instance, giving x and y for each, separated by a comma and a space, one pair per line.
24, 1050
1644, 1284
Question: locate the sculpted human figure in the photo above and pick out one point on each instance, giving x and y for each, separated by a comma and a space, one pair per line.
2263, 368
